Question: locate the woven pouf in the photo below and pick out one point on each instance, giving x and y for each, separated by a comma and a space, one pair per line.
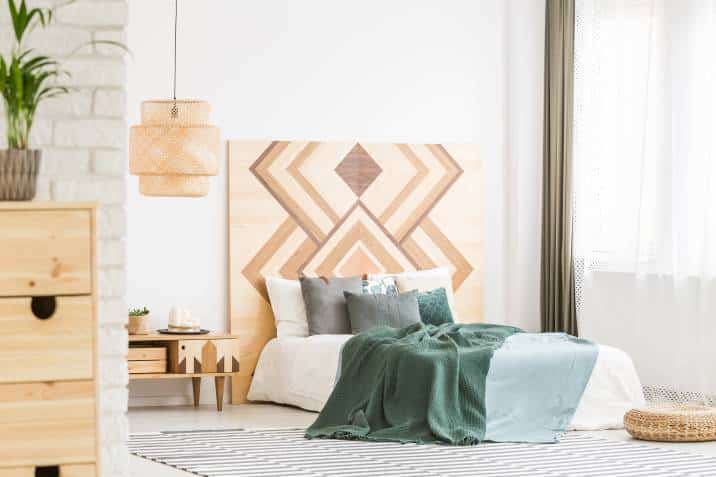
672, 423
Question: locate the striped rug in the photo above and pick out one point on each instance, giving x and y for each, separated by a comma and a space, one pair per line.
285, 453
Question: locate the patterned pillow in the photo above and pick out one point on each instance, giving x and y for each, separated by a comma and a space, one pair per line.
434, 307
380, 286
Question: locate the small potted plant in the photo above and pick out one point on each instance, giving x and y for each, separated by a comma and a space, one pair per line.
138, 321
26, 80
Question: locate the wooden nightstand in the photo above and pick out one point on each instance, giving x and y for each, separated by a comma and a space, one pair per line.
158, 356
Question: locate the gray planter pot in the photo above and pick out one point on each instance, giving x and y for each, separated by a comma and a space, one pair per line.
18, 173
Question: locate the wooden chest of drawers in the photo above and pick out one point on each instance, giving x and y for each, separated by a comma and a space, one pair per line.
48, 365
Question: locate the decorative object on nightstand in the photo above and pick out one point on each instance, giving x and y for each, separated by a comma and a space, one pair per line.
48, 333
138, 321
26, 80
159, 356
182, 322
672, 423
174, 150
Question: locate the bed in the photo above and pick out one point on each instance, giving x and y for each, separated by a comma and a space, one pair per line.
280, 377
340, 209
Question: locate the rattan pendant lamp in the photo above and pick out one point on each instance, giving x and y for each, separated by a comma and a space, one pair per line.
174, 150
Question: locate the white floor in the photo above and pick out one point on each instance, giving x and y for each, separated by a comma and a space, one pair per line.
153, 419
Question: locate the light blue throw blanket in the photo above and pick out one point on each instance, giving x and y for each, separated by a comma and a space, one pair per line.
534, 386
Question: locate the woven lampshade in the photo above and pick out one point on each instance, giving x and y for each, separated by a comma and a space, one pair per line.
173, 151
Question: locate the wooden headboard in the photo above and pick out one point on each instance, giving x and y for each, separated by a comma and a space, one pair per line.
347, 208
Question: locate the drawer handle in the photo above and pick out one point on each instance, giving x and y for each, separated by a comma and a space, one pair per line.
48, 471
43, 307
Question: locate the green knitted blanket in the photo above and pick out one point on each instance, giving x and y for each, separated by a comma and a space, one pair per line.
421, 383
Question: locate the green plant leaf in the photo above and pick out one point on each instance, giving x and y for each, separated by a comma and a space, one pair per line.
3, 76
14, 16
138, 311
16, 74
24, 20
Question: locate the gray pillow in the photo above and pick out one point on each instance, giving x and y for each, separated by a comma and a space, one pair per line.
325, 304
367, 311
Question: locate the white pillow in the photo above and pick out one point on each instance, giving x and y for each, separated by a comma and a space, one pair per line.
427, 280
288, 307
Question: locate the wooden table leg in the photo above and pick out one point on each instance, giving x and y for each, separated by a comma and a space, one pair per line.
196, 383
219, 384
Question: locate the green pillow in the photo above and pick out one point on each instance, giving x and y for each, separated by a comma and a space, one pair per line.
434, 307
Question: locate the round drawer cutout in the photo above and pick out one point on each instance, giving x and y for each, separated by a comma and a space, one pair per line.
43, 307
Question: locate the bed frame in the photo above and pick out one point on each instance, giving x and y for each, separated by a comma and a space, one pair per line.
342, 209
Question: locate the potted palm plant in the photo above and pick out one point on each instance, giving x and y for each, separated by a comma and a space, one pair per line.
26, 80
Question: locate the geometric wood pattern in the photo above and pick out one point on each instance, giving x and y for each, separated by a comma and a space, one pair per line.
227, 356
347, 208
185, 356
204, 356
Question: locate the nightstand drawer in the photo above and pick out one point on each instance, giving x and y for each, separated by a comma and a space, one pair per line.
146, 360
44, 424
146, 367
45, 252
46, 339
147, 353
186, 356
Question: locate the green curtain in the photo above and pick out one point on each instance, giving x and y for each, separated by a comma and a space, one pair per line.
557, 297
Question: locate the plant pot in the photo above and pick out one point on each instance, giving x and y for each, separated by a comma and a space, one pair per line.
18, 173
138, 325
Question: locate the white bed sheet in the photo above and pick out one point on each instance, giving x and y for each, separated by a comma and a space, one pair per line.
301, 372
297, 371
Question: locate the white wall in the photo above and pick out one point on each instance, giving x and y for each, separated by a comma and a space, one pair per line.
523, 162
404, 70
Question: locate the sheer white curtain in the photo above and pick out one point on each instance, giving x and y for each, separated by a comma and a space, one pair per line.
645, 185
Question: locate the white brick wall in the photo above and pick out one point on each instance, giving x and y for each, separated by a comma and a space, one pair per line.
83, 138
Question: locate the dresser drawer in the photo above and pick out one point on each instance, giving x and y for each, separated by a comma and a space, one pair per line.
44, 424
45, 252
69, 470
58, 347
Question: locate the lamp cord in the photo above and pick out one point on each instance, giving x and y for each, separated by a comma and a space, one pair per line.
175, 110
